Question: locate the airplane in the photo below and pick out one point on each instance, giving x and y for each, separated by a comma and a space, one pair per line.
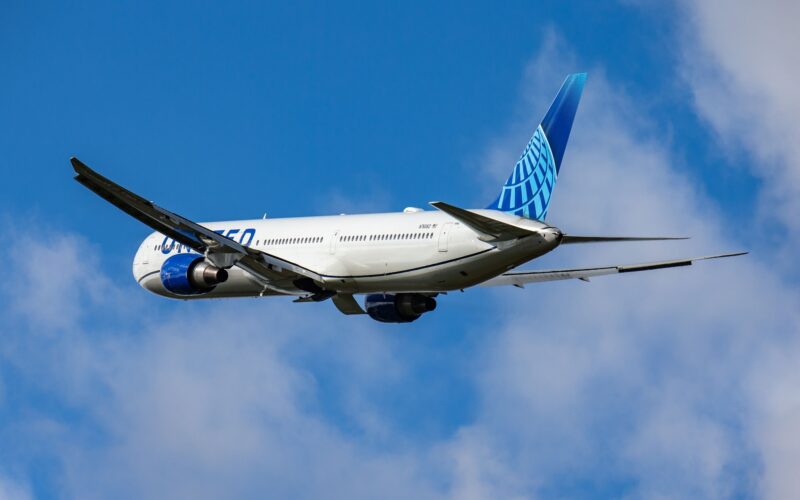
400, 261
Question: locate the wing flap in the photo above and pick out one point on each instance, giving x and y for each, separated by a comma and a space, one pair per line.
347, 304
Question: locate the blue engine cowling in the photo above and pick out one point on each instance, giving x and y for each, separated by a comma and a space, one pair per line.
398, 308
190, 274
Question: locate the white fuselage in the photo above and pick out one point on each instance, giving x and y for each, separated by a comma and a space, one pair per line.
413, 251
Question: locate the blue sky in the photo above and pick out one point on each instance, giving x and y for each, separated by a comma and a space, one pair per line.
676, 384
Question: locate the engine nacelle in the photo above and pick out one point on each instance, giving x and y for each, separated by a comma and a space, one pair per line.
190, 274
398, 308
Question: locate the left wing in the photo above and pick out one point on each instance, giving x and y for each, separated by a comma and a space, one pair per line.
519, 278
272, 271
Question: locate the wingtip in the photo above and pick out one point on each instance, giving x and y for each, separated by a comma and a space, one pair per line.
725, 255
77, 165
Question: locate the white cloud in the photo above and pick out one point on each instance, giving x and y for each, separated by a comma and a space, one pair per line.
740, 61
653, 380
211, 400
12, 490
675, 383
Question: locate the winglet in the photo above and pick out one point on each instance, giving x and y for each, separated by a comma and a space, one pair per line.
81, 169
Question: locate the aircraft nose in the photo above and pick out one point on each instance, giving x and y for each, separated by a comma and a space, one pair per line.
140, 262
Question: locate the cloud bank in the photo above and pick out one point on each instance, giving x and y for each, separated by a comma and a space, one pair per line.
667, 384
739, 61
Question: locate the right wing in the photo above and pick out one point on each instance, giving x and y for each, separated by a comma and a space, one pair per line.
272, 271
519, 278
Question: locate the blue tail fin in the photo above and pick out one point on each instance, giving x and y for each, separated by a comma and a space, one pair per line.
527, 191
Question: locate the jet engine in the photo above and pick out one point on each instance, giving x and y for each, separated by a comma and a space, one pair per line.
190, 274
398, 308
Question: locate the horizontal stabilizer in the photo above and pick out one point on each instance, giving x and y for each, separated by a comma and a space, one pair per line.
519, 278
493, 229
567, 239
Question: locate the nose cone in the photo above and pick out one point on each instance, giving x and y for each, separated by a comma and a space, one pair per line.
147, 267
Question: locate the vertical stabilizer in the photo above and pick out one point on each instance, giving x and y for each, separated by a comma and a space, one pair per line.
528, 190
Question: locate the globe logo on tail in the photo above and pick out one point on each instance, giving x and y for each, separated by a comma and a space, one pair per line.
527, 191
